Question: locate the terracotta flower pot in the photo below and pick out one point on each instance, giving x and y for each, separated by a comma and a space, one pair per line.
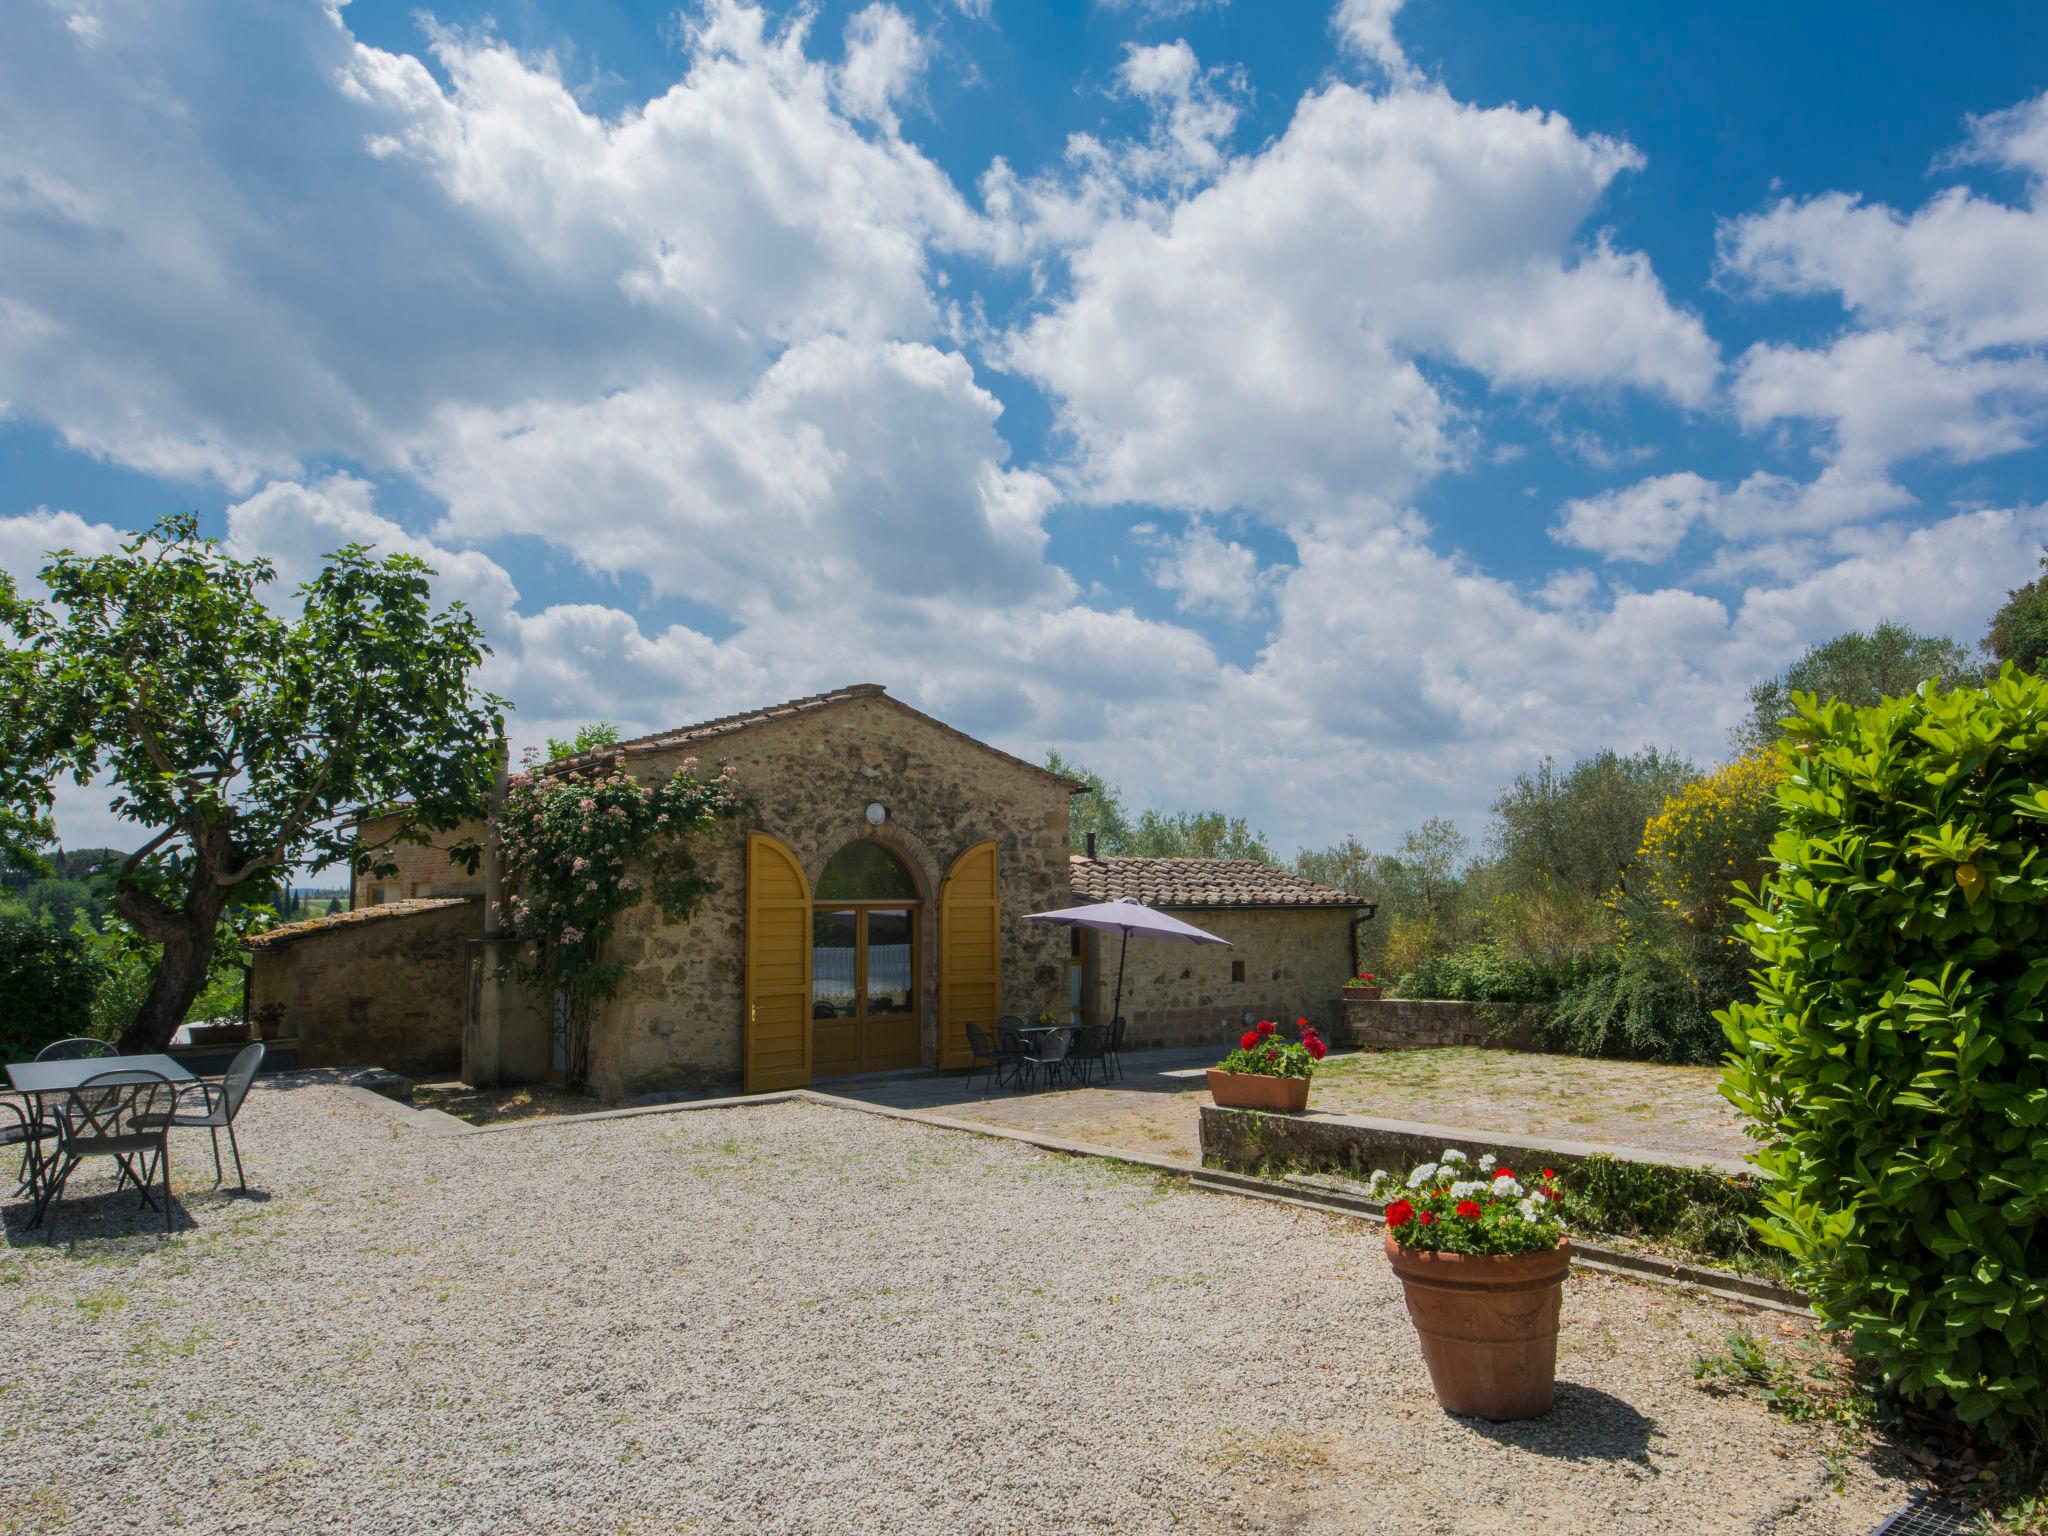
1488, 1325
1254, 1090
1362, 994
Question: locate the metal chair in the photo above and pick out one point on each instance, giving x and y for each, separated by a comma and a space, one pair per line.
28, 1131
1090, 1050
222, 1101
1116, 1047
991, 1055
122, 1115
1050, 1057
77, 1048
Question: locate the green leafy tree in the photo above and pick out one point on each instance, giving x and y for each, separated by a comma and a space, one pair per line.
1197, 835
242, 742
599, 733
1887, 663
1575, 830
1100, 811
1894, 1062
2019, 630
49, 977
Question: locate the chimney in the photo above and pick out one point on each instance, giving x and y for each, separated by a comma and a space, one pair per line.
1091, 845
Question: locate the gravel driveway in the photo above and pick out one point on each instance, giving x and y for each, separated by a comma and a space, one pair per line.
798, 1318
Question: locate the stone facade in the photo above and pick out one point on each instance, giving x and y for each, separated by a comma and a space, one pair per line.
1296, 961
422, 870
678, 1019
385, 991
1408, 1024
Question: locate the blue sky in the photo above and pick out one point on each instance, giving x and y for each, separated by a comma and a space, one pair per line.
1318, 411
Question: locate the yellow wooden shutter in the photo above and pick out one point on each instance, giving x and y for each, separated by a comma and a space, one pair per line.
970, 953
778, 1049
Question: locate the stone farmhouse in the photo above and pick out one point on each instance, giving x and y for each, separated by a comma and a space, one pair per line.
872, 906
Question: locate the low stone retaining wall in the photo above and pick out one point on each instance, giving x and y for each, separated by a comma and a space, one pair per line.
1408, 1024
1257, 1141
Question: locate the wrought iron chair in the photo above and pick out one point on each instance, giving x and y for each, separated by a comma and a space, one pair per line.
1115, 1061
221, 1102
120, 1114
992, 1054
27, 1130
1050, 1056
1089, 1051
77, 1048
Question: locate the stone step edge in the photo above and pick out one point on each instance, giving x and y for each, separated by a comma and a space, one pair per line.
1728, 1286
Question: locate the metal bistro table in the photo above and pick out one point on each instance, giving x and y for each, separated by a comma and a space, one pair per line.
34, 1079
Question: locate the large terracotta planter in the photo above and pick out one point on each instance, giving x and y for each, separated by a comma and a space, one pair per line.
1362, 994
1252, 1090
1488, 1325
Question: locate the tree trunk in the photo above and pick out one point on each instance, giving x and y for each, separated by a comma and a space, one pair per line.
187, 935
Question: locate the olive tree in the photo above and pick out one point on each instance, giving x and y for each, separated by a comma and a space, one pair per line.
241, 740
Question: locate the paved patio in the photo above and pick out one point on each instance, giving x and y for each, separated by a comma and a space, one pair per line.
790, 1319
1152, 1110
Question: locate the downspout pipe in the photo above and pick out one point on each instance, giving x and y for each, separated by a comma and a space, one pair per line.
1367, 911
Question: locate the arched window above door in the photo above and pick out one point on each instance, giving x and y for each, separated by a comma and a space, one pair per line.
864, 871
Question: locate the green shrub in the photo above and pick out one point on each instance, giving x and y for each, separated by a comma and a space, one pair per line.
1483, 972
1895, 1059
1638, 1005
1698, 1209
48, 978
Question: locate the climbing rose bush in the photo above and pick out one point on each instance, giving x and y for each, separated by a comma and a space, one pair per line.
1458, 1206
1894, 1062
580, 848
1261, 1053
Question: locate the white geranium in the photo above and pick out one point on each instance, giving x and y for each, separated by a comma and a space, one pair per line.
1379, 1180
1508, 1189
1453, 1155
1486, 1163
1422, 1175
1531, 1208
1468, 1189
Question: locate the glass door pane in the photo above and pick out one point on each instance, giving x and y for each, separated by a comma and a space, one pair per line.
835, 994
891, 1023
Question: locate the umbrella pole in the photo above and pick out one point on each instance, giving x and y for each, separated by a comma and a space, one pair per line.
1117, 1007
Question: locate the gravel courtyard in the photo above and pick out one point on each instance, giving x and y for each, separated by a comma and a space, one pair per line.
794, 1318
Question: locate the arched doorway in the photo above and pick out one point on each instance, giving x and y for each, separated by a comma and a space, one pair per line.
865, 1003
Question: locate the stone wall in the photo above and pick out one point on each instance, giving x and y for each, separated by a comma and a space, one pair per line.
422, 870
1295, 959
385, 992
678, 1020
1407, 1024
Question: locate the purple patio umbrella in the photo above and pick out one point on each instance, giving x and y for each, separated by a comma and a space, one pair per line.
1126, 915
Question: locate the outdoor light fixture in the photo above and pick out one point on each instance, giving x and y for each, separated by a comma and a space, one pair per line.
877, 814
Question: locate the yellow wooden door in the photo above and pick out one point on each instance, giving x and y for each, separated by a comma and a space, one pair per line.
778, 1048
970, 953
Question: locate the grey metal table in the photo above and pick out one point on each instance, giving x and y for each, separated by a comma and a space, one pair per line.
33, 1079
40, 1077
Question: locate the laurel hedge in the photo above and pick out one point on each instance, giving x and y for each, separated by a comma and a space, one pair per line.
1895, 1059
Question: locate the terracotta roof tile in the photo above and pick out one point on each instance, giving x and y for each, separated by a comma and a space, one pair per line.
1200, 883
412, 906
726, 725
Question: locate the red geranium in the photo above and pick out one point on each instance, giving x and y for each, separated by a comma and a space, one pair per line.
1503, 1173
1549, 1173
1265, 1027
1250, 1039
1425, 1217
1400, 1213
1469, 1209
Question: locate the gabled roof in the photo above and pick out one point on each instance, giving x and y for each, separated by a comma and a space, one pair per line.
383, 911
727, 725
1200, 883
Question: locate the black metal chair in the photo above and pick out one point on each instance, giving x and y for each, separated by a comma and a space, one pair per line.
988, 1056
1090, 1050
121, 1114
76, 1048
1115, 1062
1049, 1054
221, 1102
25, 1129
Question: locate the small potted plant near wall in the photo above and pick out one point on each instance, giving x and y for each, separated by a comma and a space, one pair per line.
1266, 1072
1482, 1255
270, 1020
1362, 988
